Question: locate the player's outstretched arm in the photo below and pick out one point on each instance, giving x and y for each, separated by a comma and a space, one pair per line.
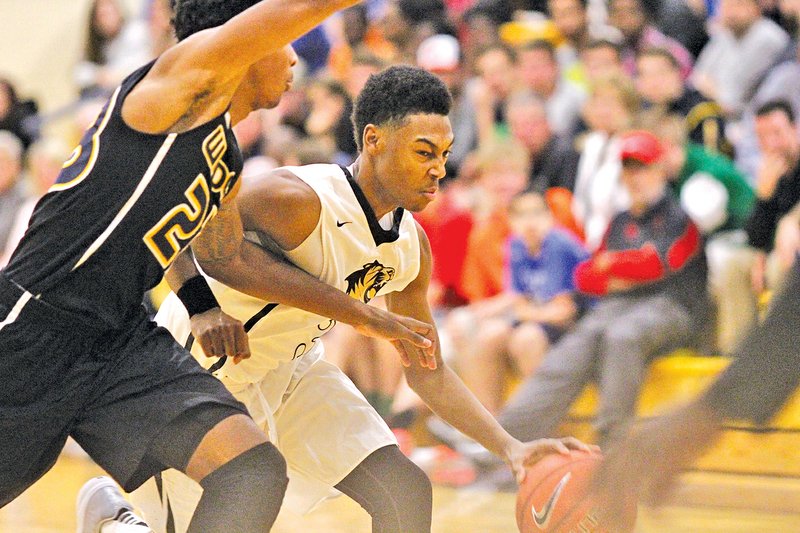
262, 29
444, 392
195, 80
292, 213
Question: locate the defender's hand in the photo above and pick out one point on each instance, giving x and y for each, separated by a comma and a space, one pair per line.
220, 335
521, 455
647, 462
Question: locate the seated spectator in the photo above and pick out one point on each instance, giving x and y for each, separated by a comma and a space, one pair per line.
719, 200
553, 160
114, 48
406, 23
45, 159
648, 277
598, 195
771, 227
502, 173
12, 186
538, 71
739, 53
328, 120
685, 21
540, 304
448, 224
496, 67
633, 18
358, 37
16, 115
479, 31
570, 18
780, 83
601, 59
659, 82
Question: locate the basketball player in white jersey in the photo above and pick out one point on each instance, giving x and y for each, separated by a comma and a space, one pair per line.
350, 228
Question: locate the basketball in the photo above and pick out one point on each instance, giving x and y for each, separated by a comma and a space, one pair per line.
553, 497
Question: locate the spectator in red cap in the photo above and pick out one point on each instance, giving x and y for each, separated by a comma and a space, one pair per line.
649, 277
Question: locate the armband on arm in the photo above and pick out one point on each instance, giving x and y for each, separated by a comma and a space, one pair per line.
196, 296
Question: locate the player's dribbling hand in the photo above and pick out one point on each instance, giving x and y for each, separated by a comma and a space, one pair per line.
521, 455
219, 334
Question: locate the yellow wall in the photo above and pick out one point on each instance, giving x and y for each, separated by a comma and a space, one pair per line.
40, 43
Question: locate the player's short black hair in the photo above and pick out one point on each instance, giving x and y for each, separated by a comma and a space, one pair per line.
192, 16
776, 105
395, 93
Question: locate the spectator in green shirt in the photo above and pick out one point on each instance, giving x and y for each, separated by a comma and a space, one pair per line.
719, 200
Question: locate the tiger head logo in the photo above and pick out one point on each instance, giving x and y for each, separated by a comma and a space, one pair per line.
364, 284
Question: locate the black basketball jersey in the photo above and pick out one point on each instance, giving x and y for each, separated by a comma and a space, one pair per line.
125, 204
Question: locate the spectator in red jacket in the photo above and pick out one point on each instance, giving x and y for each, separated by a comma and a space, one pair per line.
650, 277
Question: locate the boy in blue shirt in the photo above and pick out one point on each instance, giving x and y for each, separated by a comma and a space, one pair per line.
517, 328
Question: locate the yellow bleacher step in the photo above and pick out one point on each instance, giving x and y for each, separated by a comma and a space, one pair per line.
678, 378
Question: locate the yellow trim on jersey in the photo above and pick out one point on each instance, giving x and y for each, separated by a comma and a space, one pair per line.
95, 149
195, 210
76, 153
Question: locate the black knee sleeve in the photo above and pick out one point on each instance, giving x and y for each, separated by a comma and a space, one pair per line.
393, 490
244, 494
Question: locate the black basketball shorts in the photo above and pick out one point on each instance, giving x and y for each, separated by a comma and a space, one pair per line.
114, 392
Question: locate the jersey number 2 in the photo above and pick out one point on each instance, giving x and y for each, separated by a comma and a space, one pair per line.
175, 229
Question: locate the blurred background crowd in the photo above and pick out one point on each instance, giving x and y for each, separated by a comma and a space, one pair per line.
546, 93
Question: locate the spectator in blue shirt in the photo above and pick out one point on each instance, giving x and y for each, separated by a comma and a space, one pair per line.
516, 328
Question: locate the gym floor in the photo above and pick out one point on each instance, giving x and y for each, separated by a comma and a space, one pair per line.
49, 507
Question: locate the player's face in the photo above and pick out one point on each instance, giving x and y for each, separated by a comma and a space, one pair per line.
410, 158
272, 76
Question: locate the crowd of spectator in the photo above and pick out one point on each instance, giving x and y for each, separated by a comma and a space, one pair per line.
614, 161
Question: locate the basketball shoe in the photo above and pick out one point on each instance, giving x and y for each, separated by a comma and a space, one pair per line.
103, 509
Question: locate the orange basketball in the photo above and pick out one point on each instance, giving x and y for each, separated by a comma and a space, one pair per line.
553, 496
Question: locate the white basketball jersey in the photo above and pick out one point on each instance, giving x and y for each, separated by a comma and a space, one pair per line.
348, 249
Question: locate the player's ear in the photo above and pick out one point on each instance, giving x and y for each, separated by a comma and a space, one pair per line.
372, 137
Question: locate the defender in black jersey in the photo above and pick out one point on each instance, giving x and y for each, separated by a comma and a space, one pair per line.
159, 167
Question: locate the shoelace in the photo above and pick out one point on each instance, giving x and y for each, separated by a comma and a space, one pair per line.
130, 519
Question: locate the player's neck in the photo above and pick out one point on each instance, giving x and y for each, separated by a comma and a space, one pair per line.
366, 178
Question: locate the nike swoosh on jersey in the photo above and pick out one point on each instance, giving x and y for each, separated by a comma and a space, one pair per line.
542, 518
340, 224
